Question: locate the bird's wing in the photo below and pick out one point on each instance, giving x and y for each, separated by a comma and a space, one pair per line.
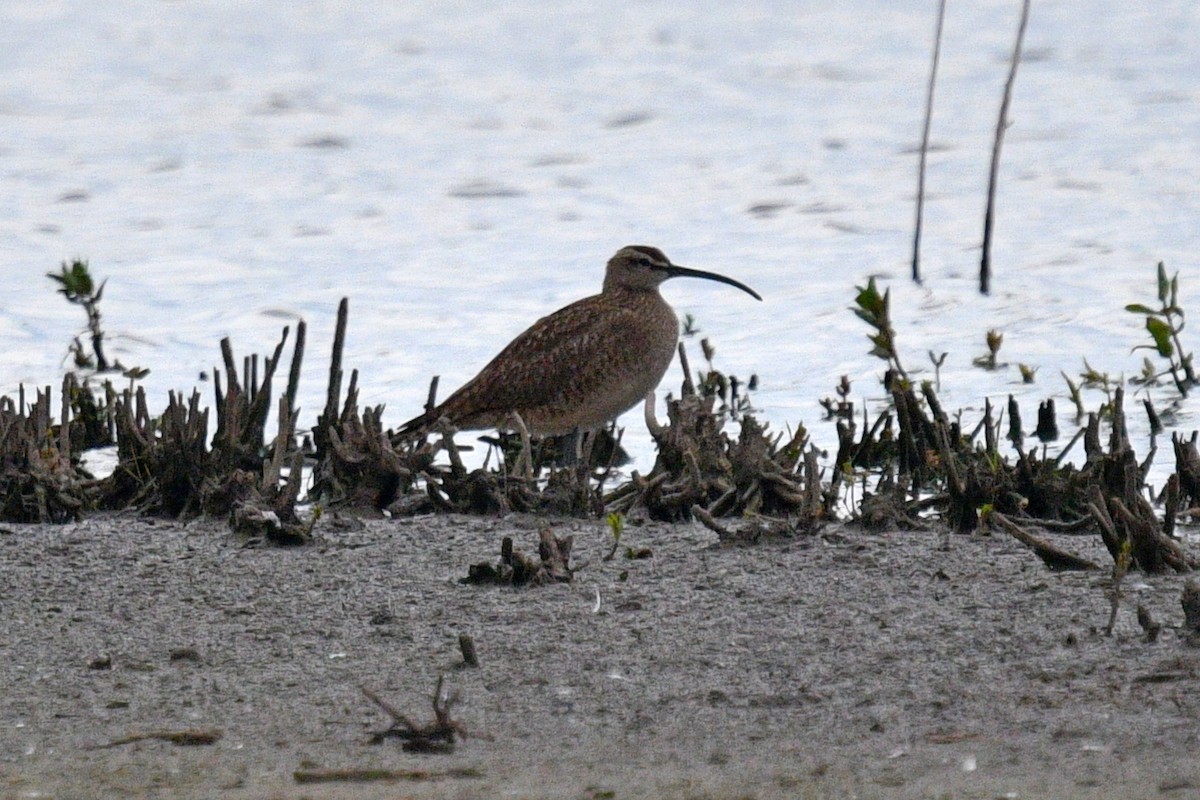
541, 365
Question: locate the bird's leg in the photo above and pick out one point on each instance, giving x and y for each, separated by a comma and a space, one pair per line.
524, 465
572, 447
584, 443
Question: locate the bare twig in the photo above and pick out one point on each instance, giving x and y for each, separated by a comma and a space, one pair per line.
370, 775
1053, 557
985, 264
186, 738
937, 49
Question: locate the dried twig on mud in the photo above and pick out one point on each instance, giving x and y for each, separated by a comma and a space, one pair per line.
755, 530
436, 737
370, 775
1053, 557
190, 737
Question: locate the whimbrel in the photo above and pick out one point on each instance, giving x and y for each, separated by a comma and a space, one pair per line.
584, 365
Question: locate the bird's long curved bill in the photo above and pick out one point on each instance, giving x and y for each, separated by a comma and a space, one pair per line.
686, 272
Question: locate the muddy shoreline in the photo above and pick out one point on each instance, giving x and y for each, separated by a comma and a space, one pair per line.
847, 664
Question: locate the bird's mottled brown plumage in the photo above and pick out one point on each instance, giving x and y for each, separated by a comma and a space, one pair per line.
583, 365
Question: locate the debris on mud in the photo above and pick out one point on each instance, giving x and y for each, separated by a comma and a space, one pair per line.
1190, 600
926, 462
435, 737
554, 477
515, 568
191, 737
1053, 557
371, 775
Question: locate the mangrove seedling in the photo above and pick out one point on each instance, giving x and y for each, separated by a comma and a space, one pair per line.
1091, 378
874, 309
994, 340
729, 389
689, 325
616, 526
1076, 396
1164, 325
76, 284
842, 407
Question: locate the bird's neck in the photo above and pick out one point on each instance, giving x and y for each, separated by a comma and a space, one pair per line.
611, 287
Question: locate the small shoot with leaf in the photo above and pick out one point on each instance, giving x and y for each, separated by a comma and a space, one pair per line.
994, 340
75, 283
874, 309
1164, 324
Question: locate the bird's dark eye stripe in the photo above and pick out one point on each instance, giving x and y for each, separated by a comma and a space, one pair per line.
645, 262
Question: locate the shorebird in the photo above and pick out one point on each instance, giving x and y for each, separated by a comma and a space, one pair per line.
584, 365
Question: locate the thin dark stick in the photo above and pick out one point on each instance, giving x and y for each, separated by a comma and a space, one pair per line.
431, 400
230, 367
937, 52
985, 264
333, 392
293, 384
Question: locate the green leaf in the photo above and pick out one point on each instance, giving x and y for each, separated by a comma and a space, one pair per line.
1161, 332
1138, 308
616, 524
869, 299
868, 317
1164, 287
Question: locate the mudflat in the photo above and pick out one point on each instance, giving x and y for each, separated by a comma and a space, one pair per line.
842, 664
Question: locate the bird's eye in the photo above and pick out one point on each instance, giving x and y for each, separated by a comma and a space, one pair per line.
643, 261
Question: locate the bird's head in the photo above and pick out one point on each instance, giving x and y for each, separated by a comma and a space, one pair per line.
642, 268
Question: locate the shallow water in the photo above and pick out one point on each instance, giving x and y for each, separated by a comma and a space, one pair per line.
458, 171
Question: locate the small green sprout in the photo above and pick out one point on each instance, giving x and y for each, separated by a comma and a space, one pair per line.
994, 340
616, 526
1164, 324
76, 284
874, 309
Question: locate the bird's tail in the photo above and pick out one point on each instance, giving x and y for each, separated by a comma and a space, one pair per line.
415, 427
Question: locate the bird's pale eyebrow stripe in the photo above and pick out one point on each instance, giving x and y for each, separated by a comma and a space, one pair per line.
653, 252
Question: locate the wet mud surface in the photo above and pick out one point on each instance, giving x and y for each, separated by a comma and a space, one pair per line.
847, 664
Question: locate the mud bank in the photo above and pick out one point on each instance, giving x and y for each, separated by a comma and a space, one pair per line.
847, 664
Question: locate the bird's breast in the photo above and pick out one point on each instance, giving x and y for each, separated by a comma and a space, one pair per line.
628, 361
